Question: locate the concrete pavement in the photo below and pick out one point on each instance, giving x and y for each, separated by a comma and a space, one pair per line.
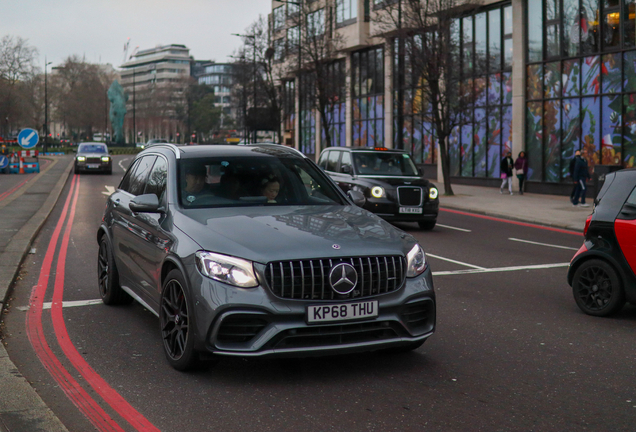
23, 213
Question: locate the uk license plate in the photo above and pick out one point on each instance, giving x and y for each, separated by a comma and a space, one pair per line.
342, 312
92, 166
417, 210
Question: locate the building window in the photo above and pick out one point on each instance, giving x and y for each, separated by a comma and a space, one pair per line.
293, 9
484, 133
337, 105
279, 49
368, 97
292, 38
279, 17
307, 114
580, 85
289, 106
346, 10
316, 23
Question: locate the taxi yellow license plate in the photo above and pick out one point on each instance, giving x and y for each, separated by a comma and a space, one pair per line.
342, 312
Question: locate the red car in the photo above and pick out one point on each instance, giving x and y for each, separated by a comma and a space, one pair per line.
602, 272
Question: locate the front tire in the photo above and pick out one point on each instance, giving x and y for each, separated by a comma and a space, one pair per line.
176, 323
427, 225
108, 278
597, 288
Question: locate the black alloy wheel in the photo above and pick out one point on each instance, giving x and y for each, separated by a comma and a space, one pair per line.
597, 288
175, 317
107, 277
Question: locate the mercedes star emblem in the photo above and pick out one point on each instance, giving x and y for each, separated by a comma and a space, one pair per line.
343, 278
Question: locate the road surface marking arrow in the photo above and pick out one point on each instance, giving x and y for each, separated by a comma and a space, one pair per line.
109, 190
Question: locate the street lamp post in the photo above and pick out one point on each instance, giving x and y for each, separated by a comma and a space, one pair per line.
46, 106
253, 37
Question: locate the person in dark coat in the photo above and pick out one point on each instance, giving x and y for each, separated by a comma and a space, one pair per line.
506, 166
581, 174
521, 166
572, 163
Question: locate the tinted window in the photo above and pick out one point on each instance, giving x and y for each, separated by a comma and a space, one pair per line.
125, 182
139, 176
632, 198
332, 161
157, 180
345, 162
92, 148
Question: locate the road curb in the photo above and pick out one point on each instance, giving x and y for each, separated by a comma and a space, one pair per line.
20, 405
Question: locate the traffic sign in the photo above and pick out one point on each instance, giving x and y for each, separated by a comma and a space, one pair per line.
4, 161
28, 138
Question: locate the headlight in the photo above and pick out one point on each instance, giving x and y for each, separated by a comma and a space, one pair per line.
226, 269
81, 158
433, 193
377, 192
416, 261
105, 159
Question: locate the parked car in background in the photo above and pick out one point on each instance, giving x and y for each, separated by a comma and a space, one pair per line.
393, 186
189, 234
602, 272
93, 157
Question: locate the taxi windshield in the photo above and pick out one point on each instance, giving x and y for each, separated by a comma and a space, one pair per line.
378, 163
252, 181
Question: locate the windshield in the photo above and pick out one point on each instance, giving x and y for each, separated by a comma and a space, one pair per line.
91, 148
391, 164
252, 181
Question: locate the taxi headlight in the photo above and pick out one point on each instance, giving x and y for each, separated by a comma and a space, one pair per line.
377, 192
105, 159
416, 261
81, 158
433, 193
227, 269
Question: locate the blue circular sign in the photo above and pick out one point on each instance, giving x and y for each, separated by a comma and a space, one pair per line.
28, 138
4, 161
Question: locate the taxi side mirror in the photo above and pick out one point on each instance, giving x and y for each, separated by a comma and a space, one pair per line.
357, 197
347, 169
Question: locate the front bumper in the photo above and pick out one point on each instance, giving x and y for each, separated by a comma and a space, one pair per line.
94, 165
254, 323
390, 210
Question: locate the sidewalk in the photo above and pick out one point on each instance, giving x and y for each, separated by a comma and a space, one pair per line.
550, 210
21, 409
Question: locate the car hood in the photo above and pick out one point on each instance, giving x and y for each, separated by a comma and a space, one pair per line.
264, 234
397, 181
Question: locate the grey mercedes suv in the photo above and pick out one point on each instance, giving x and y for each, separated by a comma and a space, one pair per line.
254, 251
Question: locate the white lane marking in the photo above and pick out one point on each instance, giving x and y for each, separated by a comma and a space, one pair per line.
65, 304
453, 228
109, 190
543, 244
455, 262
502, 269
121, 162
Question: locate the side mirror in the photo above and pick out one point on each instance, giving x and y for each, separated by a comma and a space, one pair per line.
357, 197
347, 169
147, 203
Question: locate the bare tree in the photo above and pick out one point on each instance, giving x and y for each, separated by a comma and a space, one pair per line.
425, 33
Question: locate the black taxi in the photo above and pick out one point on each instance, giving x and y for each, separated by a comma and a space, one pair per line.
393, 186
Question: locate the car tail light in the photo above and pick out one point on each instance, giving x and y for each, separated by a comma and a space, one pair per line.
587, 224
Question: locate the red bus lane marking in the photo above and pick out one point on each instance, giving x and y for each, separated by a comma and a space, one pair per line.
526, 224
114, 399
80, 398
9, 192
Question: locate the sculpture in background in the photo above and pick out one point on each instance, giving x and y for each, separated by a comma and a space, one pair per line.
118, 99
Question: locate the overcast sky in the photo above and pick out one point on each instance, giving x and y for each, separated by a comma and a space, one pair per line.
99, 29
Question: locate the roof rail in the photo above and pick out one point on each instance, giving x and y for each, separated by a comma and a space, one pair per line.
172, 147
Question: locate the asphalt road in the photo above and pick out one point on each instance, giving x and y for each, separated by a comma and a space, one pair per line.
512, 352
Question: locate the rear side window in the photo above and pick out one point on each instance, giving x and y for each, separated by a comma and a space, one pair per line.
139, 176
632, 198
322, 163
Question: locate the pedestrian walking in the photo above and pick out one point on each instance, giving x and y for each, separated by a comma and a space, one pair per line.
521, 167
507, 164
581, 174
572, 163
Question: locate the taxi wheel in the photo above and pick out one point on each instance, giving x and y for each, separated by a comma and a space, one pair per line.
597, 288
107, 277
427, 225
176, 323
